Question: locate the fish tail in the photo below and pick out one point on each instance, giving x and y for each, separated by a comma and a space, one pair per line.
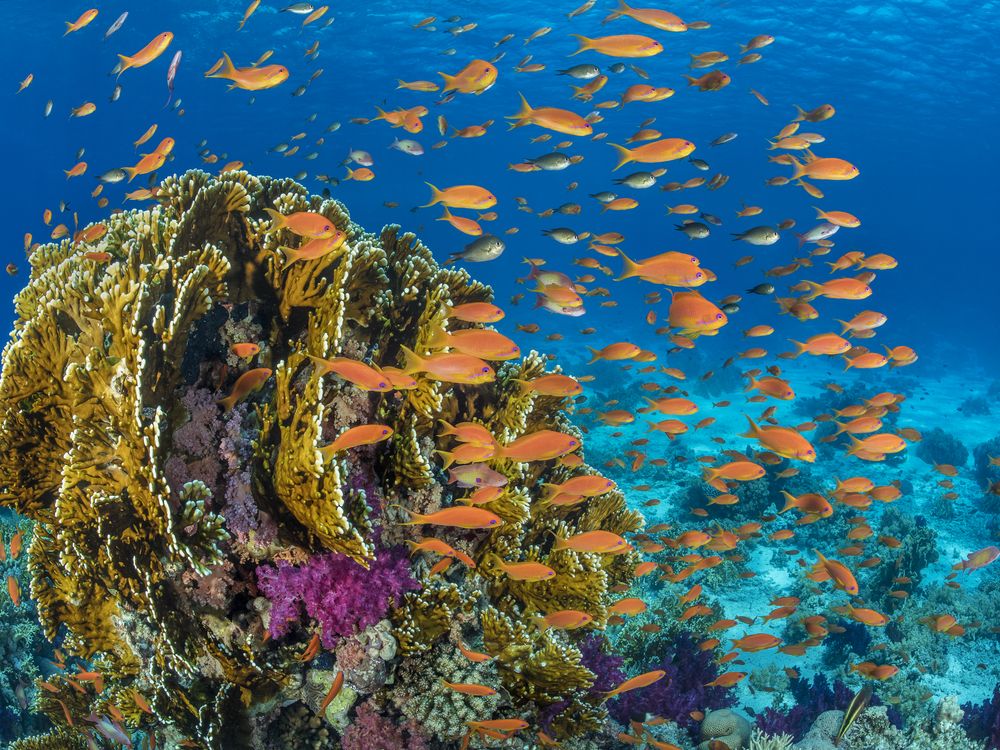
849, 364
449, 458
800, 170
691, 80
709, 475
381, 114
799, 347
801, 237
446, 216
844, 323
449, 82
585, 44
750, 386
855, 444
753, 431
624, 155
124, 63
841, 426
820, 213
412, 361
291, 254
790, 502
521, 116
130, 171
277, 219
69, 27
435, 196
438, 338
222, 69
415, 518
227, 403
350, 173
801, 113
594, 355
621, 10
814, 290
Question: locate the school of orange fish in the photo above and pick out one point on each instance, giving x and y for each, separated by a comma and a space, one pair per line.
463, 356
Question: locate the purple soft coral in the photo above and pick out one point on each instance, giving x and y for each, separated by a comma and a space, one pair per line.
680, 692
982, 721
339, 594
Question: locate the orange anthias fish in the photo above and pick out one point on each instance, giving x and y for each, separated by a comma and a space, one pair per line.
621, 45
248, 79
366, 434
85, 18
468, 688
784, 441
543, 445
667, 149
462, 196
658, 19
550, 118
448, 367
475, 78
565, 619
156, 47
979, 559
460, 518
357, 373
756, 642
592, 541
840, 574
634, 683
527, 571
246, 384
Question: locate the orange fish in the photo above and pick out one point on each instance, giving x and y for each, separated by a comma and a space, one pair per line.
468, 688
156, 47
621, 45
566, 619
527, 571
726, 680
448, 367
550, 118
462, 196
658, 19
248, 79
644, 680
474, 78
85, 18
366, 434
246, 384
667, 149
14, 590
357, 373
461, 518
782, 440
592, 541
842, 577
756, 642
543, 445
338, 683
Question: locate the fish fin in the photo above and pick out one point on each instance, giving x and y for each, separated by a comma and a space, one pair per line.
585, 44
800, 113
624, 155
522, 114
449, 82
849, 364
222, 69
790, 502
800, 170
412, 362
753, 431
227, 403
291, 254
276, 217
130, 171
435, 196
814, 290
799, 347
124, 63
449, 458
691, 80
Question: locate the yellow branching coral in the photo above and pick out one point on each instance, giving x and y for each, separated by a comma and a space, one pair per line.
155, 497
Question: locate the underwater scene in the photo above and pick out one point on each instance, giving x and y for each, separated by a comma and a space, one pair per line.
444, 375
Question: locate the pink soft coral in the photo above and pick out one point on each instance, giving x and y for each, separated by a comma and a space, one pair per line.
373, 731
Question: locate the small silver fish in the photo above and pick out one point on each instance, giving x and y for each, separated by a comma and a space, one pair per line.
407, 146
333, 127
583, 71
711, 218
112, 176
360, 157
48, 109
299, 91
818, 232
758, 236
171, 74
484, 248
638, 180
700, 164
116, 94
116, 25
724, 138
617, 68
299, 8
604, 197
695, 230
562, 235
311, 118
551, 162
80, 152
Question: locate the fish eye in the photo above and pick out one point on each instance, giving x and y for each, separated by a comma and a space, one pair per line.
486, 369
698, 275
383, 385
719, 316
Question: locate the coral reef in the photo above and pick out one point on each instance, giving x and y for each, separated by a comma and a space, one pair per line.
940, 447
195, 546
726, 726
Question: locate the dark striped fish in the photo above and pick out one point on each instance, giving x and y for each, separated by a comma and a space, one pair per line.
858, 704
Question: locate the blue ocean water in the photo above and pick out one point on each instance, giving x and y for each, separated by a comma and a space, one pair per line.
916, 96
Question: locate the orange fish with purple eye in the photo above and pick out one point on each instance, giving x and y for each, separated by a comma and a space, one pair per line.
727, 679
459, 517
565, 619
245, 350
840, 574
527, 571
468, 688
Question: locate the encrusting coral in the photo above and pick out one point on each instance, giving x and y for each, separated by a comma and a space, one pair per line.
203, 560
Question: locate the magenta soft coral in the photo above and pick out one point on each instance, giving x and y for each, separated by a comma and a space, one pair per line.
332, 589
